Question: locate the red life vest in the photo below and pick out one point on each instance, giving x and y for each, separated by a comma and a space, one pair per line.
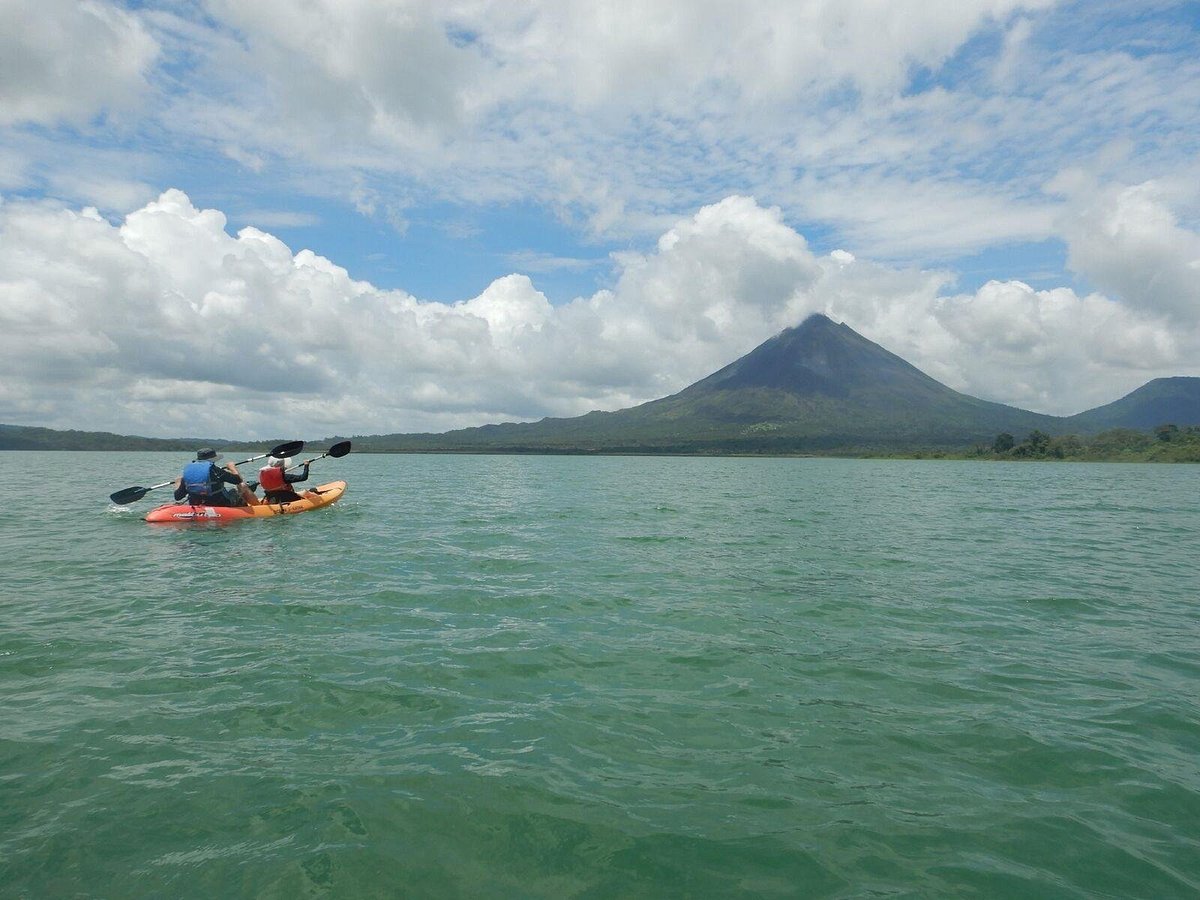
270, 478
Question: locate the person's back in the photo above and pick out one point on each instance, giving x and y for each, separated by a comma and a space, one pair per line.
276, 483
198, 482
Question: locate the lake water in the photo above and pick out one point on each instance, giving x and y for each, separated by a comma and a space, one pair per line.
498, 676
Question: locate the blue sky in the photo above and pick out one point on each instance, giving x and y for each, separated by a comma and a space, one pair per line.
363, 217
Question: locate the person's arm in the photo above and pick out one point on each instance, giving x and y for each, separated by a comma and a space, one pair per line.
230, 474
292, 479
180, 490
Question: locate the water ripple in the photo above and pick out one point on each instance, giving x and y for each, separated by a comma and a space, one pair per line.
552, 677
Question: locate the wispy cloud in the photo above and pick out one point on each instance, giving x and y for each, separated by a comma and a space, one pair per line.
539, 263
280, 218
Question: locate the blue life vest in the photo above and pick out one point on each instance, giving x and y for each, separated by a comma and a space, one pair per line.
200, 479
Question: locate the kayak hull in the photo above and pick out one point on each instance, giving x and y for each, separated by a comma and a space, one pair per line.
184, 513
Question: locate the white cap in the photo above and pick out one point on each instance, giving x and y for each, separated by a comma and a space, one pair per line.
279, 463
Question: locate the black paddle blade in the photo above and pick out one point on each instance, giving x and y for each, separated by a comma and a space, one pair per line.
129, 495
291, 448
338, 450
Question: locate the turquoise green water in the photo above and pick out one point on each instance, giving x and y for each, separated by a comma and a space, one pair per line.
569, 677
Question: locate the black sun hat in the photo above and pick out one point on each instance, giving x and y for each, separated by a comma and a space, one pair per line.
207, 453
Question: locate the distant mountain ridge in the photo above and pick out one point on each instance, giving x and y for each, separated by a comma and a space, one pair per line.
22, 437
1174, 400
28, 437
817, 387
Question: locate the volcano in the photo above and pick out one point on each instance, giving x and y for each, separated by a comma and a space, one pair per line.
815, 387
818, 387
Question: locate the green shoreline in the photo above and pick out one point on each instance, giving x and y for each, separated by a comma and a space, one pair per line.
1164, 444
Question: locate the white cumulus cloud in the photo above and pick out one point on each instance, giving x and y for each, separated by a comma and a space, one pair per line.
167, 324
1128, 241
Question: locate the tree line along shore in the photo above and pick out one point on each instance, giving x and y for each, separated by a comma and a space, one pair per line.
1167, 443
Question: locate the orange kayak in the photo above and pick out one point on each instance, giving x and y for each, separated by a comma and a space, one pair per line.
183, 512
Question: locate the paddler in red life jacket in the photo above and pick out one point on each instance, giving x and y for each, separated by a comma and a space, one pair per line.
277, 482
203, 482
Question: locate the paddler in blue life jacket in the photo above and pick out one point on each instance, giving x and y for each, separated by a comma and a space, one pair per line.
203, 482
277, 483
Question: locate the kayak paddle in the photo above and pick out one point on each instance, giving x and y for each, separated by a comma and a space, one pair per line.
337, 451
132, 494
